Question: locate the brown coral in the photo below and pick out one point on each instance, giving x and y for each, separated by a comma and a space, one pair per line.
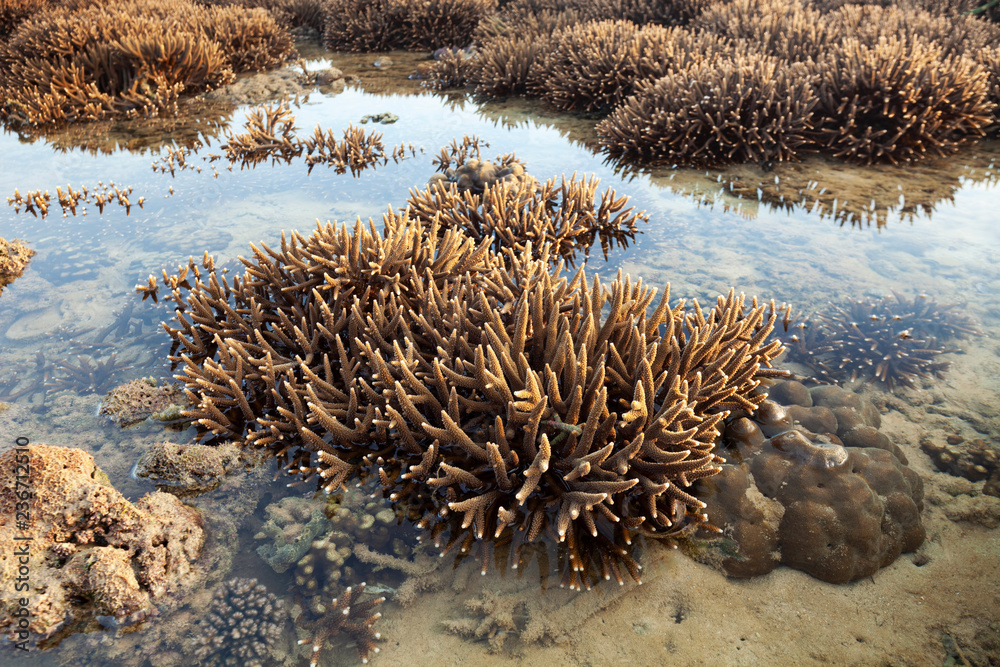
492, 398
363, 25
782, 28
893, 340
898, 102
595, 66
349, 614
132, 58
751, 108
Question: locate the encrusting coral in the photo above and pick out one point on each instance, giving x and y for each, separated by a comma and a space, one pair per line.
494, 399
133, 58
243, 624
14, 258
93, 553
893, 340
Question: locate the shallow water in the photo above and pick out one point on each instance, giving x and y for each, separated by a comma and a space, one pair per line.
929, 229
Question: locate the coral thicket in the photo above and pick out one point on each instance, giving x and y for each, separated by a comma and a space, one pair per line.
133, 58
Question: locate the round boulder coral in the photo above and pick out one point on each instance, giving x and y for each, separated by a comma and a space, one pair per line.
811, 500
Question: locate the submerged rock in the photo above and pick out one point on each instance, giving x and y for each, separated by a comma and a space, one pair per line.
142, 399
91, 552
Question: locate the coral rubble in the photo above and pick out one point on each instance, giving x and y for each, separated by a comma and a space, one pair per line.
14, 258
814, 486
975, 460
141, 399
93, 553
242, 625
892, 340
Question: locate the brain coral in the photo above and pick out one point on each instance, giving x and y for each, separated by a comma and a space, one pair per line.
838, 504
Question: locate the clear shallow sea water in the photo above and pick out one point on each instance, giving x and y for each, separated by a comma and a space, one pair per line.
699, 239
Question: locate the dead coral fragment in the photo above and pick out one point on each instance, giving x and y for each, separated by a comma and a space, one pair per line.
897, 102
751, 108
14, 258
892, 340
243, 622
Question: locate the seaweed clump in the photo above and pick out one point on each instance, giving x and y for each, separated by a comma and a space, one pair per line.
496, 400
242, 625
14, 258
134, 58
893, 340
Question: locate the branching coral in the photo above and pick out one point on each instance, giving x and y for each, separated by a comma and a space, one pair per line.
494, 399
349, 615
132, 58
516, 212
362, 25
897, 102
244, 622
782, 28
892, 339
595, 66
748, 108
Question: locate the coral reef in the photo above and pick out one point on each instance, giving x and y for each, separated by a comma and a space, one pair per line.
142, 399
14, 258
785, 29
133, 58
92, 552
363, 25
897, 102
750, 108
507, 427
348, 614
188, 469
892, 340
92, 374
815, 486
241, 626
975, 460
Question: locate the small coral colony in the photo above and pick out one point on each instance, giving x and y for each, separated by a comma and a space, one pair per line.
449, 361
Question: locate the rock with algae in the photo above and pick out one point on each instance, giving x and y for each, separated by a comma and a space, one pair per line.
14, 258
292, 525
142, 399
92, 554
184, 469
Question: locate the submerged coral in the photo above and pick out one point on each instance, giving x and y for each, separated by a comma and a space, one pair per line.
975, 460
816, 487
14, 258
292, 526
241, 627
493, 398
349, 614
893, 340
93, 553
364, 25
188, 469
